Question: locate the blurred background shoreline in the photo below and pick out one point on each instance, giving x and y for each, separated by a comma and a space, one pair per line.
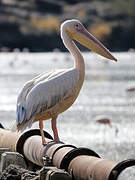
34, 25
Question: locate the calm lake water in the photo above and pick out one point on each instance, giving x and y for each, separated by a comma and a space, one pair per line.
104, 94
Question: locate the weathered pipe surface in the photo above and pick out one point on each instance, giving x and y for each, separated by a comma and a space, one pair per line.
86, 167
57, 152
33, 149
82, 163
8, 139
30, 145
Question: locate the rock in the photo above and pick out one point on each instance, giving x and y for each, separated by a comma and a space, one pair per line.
13, 172
53, 173
3, 150
15, 158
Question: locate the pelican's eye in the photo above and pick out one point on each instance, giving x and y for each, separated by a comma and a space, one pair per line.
78, 26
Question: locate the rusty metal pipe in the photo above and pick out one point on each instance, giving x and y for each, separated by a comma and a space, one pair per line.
82, 163
86, 167
30, 145
61, 155
89, 167
34, 150
8, 139
57, 152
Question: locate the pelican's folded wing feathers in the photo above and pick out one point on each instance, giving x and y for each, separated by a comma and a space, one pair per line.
47, 91
21, 101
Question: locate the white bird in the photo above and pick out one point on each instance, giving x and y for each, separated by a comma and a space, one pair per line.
51, 93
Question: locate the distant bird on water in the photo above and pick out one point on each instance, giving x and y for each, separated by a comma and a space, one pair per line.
51, 93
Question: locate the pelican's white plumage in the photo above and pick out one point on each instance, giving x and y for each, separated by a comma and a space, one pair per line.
51, 93
44, 92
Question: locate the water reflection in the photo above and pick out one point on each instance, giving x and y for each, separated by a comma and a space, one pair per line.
104, 93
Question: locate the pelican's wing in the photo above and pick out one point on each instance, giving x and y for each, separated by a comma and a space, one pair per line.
23, 94
21, 101
30, 84
48, 92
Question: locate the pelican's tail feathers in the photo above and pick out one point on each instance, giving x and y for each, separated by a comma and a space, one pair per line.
27, 124
21, 113
23, 127
22, 121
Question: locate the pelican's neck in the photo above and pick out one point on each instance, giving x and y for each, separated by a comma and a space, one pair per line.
78, 58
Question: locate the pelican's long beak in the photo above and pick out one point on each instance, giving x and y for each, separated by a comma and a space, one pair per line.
89, 41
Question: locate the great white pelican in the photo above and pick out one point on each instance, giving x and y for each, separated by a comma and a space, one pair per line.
51, 93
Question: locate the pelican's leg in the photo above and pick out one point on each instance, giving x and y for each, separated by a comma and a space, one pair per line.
42, 132
54, 128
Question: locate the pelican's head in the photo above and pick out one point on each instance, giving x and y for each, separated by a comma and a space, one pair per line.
76, 31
